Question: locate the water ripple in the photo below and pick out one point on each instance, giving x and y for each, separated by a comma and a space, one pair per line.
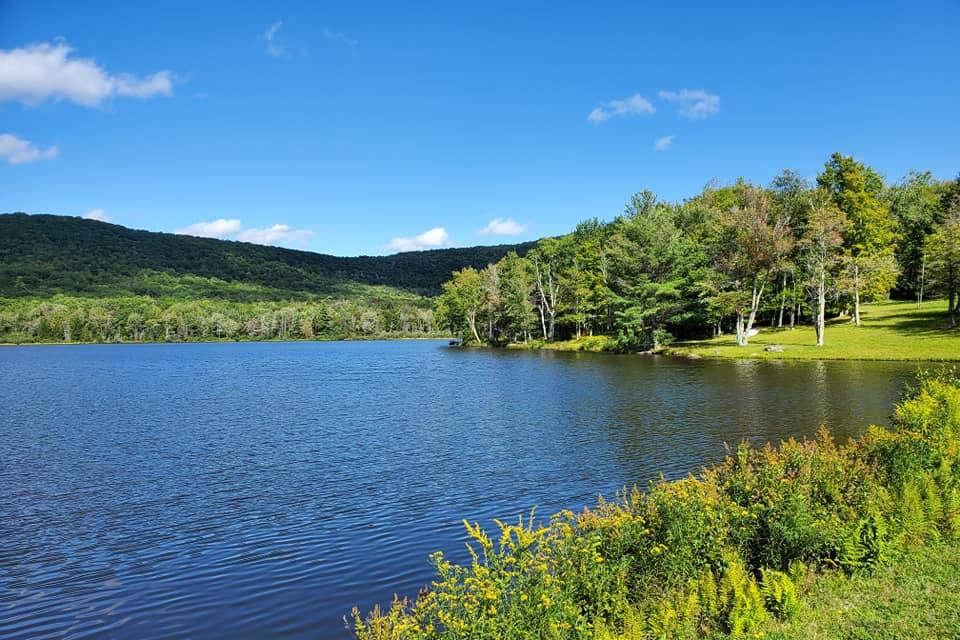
262, 490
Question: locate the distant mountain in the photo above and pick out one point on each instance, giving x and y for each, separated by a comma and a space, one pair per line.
43, 255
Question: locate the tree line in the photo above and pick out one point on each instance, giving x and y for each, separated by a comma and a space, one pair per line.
728, 259
147, 319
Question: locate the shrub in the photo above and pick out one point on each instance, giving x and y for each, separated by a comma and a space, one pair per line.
703, 557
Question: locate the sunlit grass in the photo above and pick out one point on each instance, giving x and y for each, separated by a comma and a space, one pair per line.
586, 343
889, 331
915, 596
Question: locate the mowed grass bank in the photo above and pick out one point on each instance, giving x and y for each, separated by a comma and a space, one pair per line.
916, 596
889, 331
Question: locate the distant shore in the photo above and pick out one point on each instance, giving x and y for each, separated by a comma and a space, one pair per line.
223, 341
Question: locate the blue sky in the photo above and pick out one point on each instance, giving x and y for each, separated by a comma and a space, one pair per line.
363, 128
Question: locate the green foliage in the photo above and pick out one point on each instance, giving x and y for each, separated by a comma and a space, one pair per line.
717, 556
943, 250
148, 319
735, 257
780, 593
46, 255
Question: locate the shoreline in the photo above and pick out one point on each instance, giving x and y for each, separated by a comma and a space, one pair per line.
688, 353
892, 331
176, 342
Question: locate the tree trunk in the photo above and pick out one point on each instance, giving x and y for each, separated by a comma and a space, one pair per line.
856, 294
821, 307
472, 319
754, 306
953, 309
741, 335
923, 273
783, 300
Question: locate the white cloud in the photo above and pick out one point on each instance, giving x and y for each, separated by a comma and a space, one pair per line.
436, 237
664, 143
19, 151
632, 106
694, 103
44, 71
270, 35
221, 228
232, 229
503, 227
97, 214
276, 235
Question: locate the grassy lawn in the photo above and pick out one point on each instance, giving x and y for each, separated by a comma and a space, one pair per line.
916, 596
889, 331
587, 343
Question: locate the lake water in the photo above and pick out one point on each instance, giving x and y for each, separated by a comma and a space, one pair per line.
261, 490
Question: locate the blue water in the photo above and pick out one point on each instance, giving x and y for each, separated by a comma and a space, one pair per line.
261, 490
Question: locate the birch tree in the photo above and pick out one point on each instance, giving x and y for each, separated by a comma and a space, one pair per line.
819, 249
548, 261
758, 240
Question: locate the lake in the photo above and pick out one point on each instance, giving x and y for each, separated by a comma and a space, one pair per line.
260, 490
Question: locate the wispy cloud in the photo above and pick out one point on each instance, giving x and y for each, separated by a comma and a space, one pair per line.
278, 234
431, 239
694, 103
503, 227
232, 229
97, 214
45, 71
664, 143
632, 106
270, 37
338, 37
19, 151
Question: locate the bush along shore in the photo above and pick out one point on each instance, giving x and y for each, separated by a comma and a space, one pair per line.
728, 554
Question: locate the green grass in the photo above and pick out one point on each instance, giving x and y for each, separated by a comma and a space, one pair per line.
889, 331
916, 596
594, 344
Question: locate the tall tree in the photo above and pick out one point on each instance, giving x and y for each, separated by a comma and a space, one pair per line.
754, 243
516, 290
651, 259
819, 249
915, 203
943, 248
550, 259
461, 302
869, 230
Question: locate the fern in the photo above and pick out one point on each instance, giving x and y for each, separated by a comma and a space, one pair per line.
780, 594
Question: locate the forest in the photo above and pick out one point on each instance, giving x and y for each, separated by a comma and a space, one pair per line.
727, 260
65, 279
379, 313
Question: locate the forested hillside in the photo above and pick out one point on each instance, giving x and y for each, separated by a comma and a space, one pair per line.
42, 255
68, 279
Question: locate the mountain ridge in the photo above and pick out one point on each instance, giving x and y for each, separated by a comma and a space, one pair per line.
45, 254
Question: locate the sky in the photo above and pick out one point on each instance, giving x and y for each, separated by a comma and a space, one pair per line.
369, 128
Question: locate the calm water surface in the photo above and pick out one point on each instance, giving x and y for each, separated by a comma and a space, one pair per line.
261, 490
